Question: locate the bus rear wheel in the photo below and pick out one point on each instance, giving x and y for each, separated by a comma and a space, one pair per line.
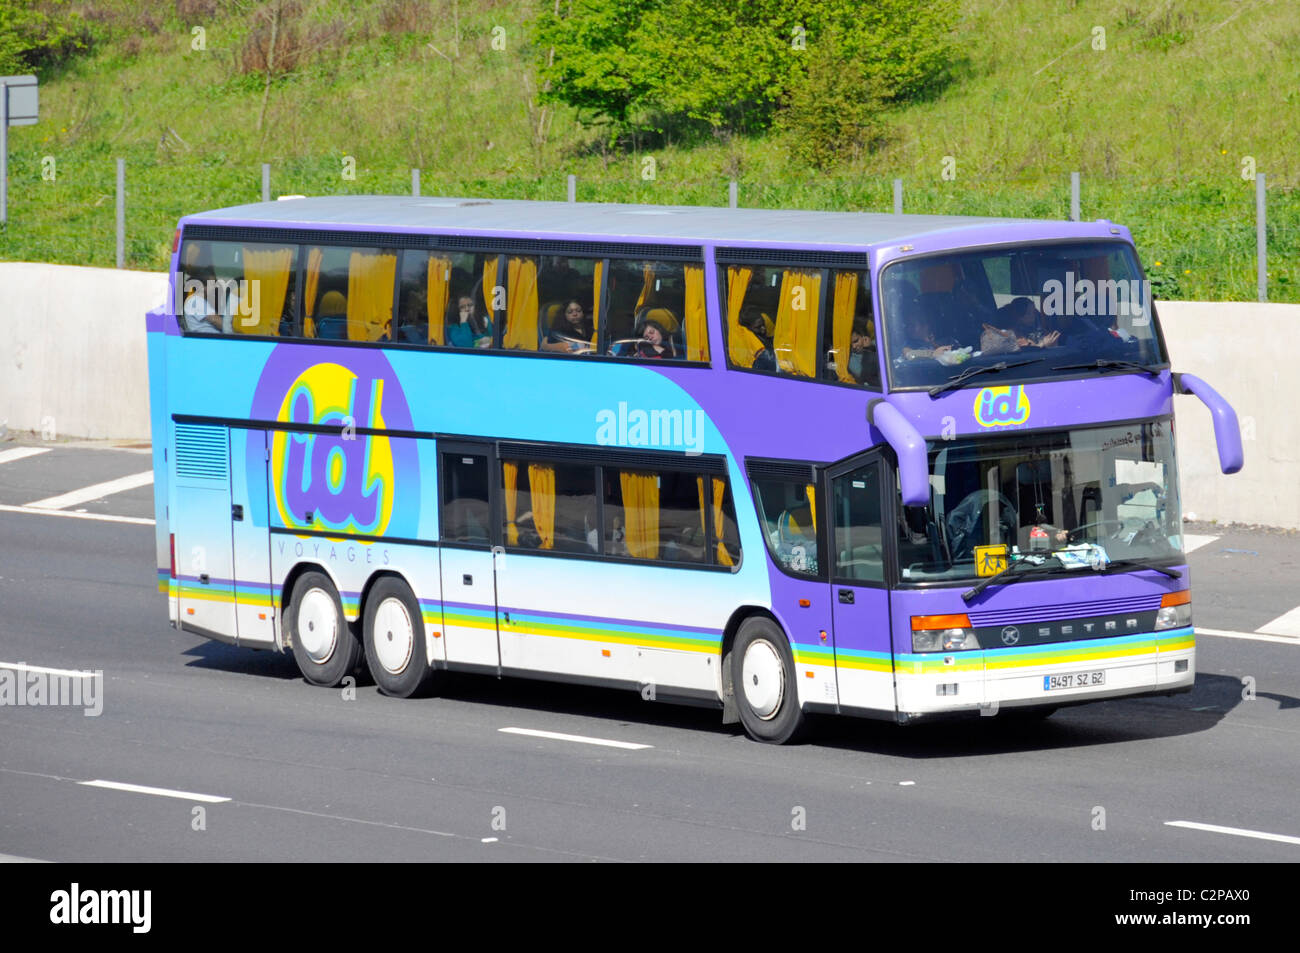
762, 678
393, 635
323, 644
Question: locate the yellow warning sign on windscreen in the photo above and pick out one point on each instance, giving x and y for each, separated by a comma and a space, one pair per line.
990, 560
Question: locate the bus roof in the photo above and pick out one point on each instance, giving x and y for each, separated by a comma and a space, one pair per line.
652, 223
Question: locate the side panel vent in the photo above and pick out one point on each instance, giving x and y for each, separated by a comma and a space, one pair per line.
202, 453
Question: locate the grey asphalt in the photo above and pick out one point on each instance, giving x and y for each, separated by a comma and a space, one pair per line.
314, 776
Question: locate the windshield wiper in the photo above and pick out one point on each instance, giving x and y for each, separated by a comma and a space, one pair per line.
958, 379
1013, 573
1107, 364
1139, 564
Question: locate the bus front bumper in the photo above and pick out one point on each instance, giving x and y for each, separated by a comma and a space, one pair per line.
1051, 675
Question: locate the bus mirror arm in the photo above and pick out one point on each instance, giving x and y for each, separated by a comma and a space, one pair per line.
1227, 432
908, 445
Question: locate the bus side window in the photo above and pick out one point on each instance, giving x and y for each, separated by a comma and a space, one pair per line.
549, 506
788, 513
465, 512
858, 546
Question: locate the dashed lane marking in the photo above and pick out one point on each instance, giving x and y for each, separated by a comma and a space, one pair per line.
581, 739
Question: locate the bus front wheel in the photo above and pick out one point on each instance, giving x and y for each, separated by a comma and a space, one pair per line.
762, 679
394, 639
323, 644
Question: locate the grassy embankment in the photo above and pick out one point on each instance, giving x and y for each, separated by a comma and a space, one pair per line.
1158, 124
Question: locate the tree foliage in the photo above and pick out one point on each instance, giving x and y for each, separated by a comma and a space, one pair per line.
735, 65
38, 34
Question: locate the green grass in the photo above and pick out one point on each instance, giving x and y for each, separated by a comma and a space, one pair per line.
1158, 124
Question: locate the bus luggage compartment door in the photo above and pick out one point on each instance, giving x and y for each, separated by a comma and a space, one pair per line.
251, 537
201, 517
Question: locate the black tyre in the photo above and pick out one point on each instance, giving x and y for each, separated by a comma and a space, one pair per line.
393, 636
763, 681
324, 646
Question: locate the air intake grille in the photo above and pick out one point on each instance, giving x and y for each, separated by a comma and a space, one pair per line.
1071, 610
202, 452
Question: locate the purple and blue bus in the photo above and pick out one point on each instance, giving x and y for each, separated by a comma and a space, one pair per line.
775, 462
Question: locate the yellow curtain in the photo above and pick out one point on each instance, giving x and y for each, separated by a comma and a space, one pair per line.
812, 505
439, 295
370, 295
647, 285
742, 344
510, 477
521, 305
314, 258
489, 285
699, 485
795, 338
270, 270
541, 484
846, 300
641, 513
719, 523
697, 330
595, 304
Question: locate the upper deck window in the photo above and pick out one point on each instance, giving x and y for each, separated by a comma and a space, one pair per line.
348, 293
656, 310
812, 323
1049, 305
237, 288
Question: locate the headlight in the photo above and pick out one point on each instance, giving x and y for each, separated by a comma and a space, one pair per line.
1175, 610
942, 633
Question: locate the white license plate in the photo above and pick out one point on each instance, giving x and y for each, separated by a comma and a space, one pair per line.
1074, 680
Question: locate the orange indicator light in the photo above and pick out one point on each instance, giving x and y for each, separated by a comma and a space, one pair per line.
960, 621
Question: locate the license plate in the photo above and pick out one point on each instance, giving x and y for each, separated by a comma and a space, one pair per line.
1074, 680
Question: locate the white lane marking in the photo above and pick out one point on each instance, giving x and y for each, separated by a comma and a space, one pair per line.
95, 492
24, 667
581, 739
21, 453
1253, 636
160, 792
1286, 624
1193, 541
102, 517
1238, 831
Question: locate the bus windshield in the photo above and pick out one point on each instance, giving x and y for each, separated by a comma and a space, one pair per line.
1046, 308
1076, 499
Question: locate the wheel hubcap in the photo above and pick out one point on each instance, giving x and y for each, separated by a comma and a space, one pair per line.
318, 625
394, 636
763, 676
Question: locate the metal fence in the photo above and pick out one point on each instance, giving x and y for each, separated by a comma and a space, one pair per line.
142, 229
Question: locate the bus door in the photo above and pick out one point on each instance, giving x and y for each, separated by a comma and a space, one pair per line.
251, 536
469, 589
859, 595
200, 520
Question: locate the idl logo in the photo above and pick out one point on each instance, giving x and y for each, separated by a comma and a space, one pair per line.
342, 479
1001, 406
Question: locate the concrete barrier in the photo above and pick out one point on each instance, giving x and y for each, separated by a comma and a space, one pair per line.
1249, 353
72, 349
72, 357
